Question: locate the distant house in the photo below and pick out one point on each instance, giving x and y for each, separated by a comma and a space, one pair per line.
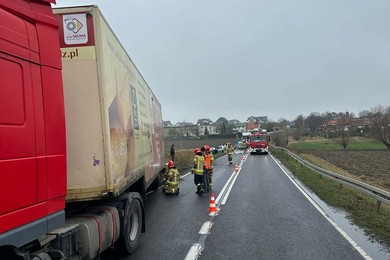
167, 124
239, 128
183, 124
255, 122
361, 122
357, 123
221, 120
234, 122
330, 125
207, 129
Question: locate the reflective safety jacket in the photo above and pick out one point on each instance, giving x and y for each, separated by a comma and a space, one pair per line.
173, 176
198, 164
229, 149
208, 161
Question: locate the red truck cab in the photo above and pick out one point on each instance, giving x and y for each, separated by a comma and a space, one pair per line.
32, 123
258, 142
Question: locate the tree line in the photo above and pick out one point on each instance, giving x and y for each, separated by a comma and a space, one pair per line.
374, 123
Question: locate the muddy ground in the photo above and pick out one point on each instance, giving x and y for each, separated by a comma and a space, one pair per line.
372, 167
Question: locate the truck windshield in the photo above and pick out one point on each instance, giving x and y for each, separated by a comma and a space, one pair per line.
259, 138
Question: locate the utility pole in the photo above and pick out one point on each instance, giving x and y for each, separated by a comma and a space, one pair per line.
181, 137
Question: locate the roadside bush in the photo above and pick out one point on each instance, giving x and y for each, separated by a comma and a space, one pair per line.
280, 139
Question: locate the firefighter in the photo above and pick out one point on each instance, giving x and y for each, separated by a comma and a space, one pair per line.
208, 165
230, 152
197, 170
171, 179
246, 146
205, 173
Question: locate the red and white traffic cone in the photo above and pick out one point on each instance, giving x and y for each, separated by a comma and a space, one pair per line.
236, 168
212, 207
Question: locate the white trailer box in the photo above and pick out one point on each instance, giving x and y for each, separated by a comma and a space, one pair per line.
114, 121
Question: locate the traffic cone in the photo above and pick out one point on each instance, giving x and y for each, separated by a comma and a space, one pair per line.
212, 207
236, 168
243, 158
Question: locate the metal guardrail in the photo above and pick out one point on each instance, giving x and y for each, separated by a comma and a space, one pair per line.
380, 195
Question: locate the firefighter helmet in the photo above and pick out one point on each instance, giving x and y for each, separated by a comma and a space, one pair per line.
171, 164
207, 148
197, 150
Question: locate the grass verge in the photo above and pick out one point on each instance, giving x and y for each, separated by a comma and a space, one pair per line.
184, 158
361, 208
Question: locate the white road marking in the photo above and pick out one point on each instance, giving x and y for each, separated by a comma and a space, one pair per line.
230, 187
196, 249
221, 194
205, 229
194, 252
234, 180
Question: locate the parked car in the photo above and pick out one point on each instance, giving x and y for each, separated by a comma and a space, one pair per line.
241, 145
221, 148
218, 149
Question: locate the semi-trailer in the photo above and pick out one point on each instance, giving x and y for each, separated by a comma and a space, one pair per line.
80, 135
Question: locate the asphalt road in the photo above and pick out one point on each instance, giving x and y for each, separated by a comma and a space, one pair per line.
262, 215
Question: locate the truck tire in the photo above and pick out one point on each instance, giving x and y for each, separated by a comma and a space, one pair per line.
132, 226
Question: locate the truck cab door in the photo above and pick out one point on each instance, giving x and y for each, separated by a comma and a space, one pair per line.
22, 146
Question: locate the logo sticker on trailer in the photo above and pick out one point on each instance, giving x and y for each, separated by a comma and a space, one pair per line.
75, 29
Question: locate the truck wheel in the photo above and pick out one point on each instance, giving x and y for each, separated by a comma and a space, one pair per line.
132, 224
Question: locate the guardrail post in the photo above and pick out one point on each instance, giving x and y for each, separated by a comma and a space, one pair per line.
378, 205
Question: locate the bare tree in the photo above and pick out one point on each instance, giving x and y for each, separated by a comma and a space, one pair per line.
283, 123
206, 131
343, 137
271, 126
222, 120
343, 128
364, 114
278, 139
380, 119
299, 127
221, 125
314, 122
221, 128
229, 129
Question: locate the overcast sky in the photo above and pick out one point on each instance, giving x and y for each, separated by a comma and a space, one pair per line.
235, 59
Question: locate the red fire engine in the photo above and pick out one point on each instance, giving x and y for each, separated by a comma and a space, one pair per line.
258, 142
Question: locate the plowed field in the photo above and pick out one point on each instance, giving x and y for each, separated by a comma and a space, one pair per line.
372, 167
